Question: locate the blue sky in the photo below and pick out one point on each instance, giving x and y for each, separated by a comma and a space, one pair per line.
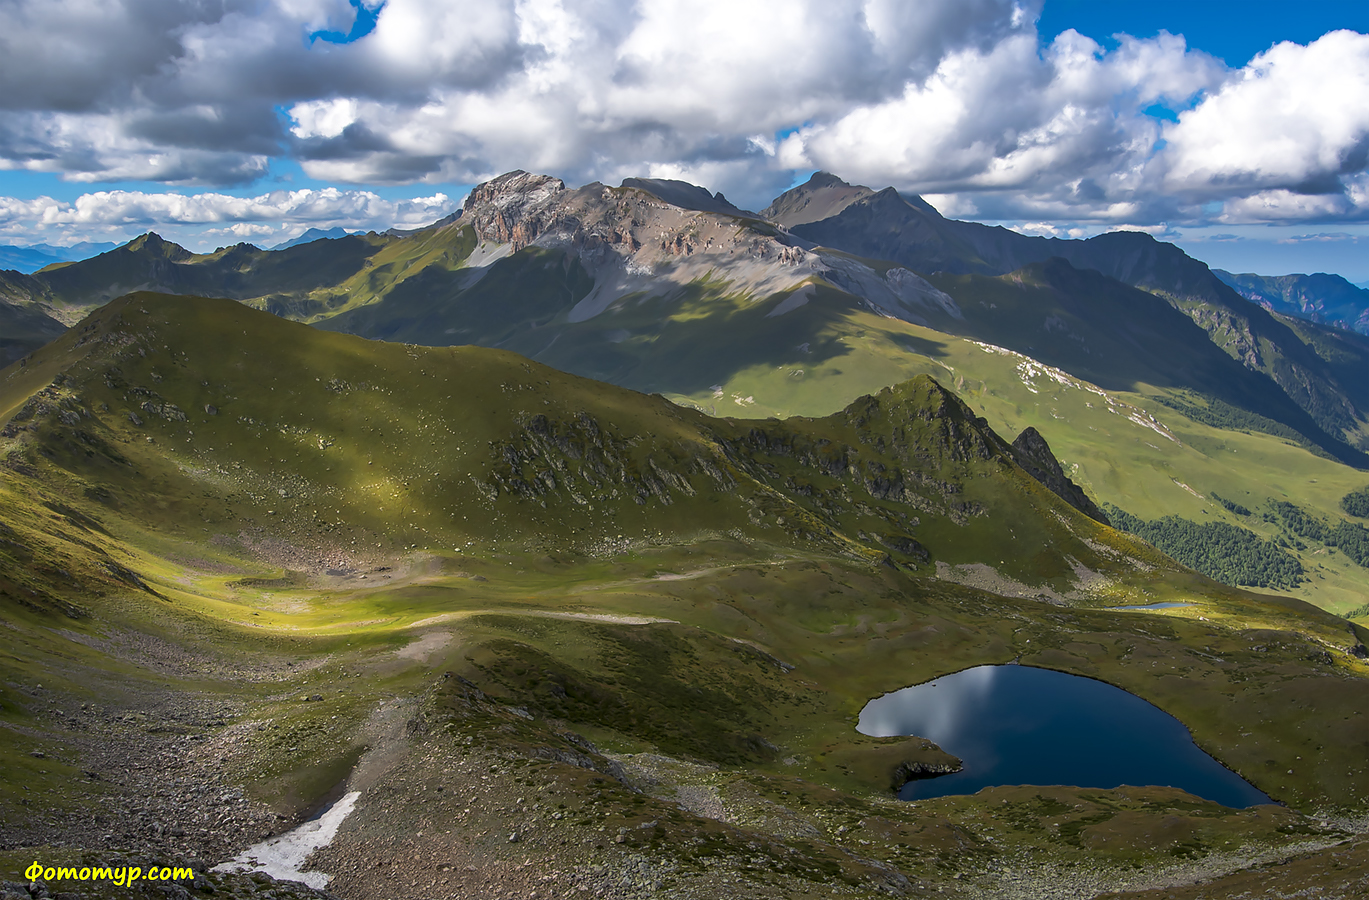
1234, 31
252, 120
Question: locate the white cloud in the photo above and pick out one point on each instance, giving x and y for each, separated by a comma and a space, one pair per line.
957, 98
1066, 123
128, 213
323, 118
1294, 119
244, 231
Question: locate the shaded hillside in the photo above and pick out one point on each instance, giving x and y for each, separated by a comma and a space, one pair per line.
907, 230
1116, 337
23, 329
887, 225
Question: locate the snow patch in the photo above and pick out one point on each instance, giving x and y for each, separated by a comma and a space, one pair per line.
282, 857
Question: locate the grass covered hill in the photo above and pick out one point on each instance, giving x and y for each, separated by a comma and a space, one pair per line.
1154, 396
205, 417
247, 566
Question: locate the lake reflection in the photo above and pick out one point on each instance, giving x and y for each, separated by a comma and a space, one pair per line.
1022, 725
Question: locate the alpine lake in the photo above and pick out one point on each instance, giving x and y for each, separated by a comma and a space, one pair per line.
1016, 725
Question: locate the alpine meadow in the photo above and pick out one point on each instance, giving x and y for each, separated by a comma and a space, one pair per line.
587, 533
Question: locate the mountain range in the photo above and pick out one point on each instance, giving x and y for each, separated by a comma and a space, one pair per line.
831, 292
1320, 297
563, 542
659, 239
33, 257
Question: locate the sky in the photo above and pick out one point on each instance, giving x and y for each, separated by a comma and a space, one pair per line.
1239, 130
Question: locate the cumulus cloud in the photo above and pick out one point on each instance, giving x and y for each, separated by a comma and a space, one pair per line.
957, 98
1289, 132
283, 213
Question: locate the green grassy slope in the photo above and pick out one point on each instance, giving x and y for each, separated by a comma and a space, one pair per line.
734, 354
1117, 337
885, 225
263, 512
1127, 447
286, 430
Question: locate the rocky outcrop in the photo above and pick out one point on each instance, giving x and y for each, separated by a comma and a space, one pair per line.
916, 771
650, 236
1034, 454
513, 208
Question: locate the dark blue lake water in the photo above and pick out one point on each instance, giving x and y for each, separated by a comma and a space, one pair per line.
1022, 725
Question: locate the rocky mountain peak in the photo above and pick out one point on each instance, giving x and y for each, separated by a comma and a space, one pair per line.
516, 188
650, 234
822, 196
1034, 455
154, 244
506, 209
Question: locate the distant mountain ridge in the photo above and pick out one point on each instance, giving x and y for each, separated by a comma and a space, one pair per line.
645, 284
313, 234
31, 258
886, 225
1320, 297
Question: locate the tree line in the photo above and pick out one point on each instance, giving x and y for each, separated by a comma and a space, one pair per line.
1226, 553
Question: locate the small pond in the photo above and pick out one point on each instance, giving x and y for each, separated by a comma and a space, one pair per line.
1022, 725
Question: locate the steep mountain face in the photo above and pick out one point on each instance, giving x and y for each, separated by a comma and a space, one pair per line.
1034, 455
886, 225
908, 230
1248, 333
824, 196
1115, 336
1322, 298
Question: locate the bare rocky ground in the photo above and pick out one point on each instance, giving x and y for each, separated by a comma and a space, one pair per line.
154, 774
463, 801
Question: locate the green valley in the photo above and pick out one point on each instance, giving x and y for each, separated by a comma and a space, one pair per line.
279, 559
